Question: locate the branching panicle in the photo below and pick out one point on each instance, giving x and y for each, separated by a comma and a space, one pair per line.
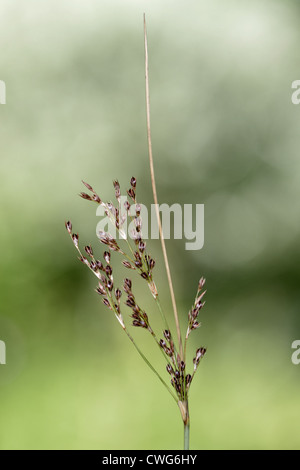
136, 258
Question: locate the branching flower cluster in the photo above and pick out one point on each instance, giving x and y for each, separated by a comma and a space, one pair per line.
137, 258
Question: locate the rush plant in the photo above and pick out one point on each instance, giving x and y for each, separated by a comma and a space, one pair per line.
136, 257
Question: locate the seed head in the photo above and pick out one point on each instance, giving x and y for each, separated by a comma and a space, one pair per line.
118, 294
75, 238
85, 196
117, 189
69, 227
127, 285
88, 186
89, 250
100, 289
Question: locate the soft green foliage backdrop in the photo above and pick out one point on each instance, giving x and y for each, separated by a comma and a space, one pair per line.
225, 134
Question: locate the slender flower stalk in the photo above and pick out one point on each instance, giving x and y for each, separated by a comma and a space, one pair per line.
136, 258
163, 245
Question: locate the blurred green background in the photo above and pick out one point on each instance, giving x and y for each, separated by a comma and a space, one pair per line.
225, 134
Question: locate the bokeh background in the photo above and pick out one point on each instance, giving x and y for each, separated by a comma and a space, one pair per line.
225, 134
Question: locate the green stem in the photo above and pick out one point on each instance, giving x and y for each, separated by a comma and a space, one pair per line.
187, 436
149, 364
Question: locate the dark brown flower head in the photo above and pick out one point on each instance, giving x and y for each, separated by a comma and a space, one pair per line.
69, 227
127, 286
106, 256
127, 206
151, 264
167, 335
188, 380
117, 189
99, 265
133, 182
200, 353
130, 302
127, 264
89, 250
131, 194
85, 196
142, 246
106, 302
201, 283
100, 289
88, 186
108, 270
140, 323
118, 294
93, 266
84, 260
75, 238
96, 198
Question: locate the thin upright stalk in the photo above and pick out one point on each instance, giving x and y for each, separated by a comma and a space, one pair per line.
183, 406
164, 250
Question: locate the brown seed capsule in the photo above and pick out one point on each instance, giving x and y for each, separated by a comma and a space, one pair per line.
133, 182
201, 283
75, 238
170, 369
126, 205
195, 325
108, 270
100, 289
117, 189
142, 246
151, 263
110, 285
145, 317
127, 264
106, 302
106, 256
145, 276
99, 265
118, 294
182, 366
84, 260
89, 250
85, 196
130, 301
138, 210
88, 186
127, 285
69, 226
131, 193
167, 335
93, 266
96, 198
188, 379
